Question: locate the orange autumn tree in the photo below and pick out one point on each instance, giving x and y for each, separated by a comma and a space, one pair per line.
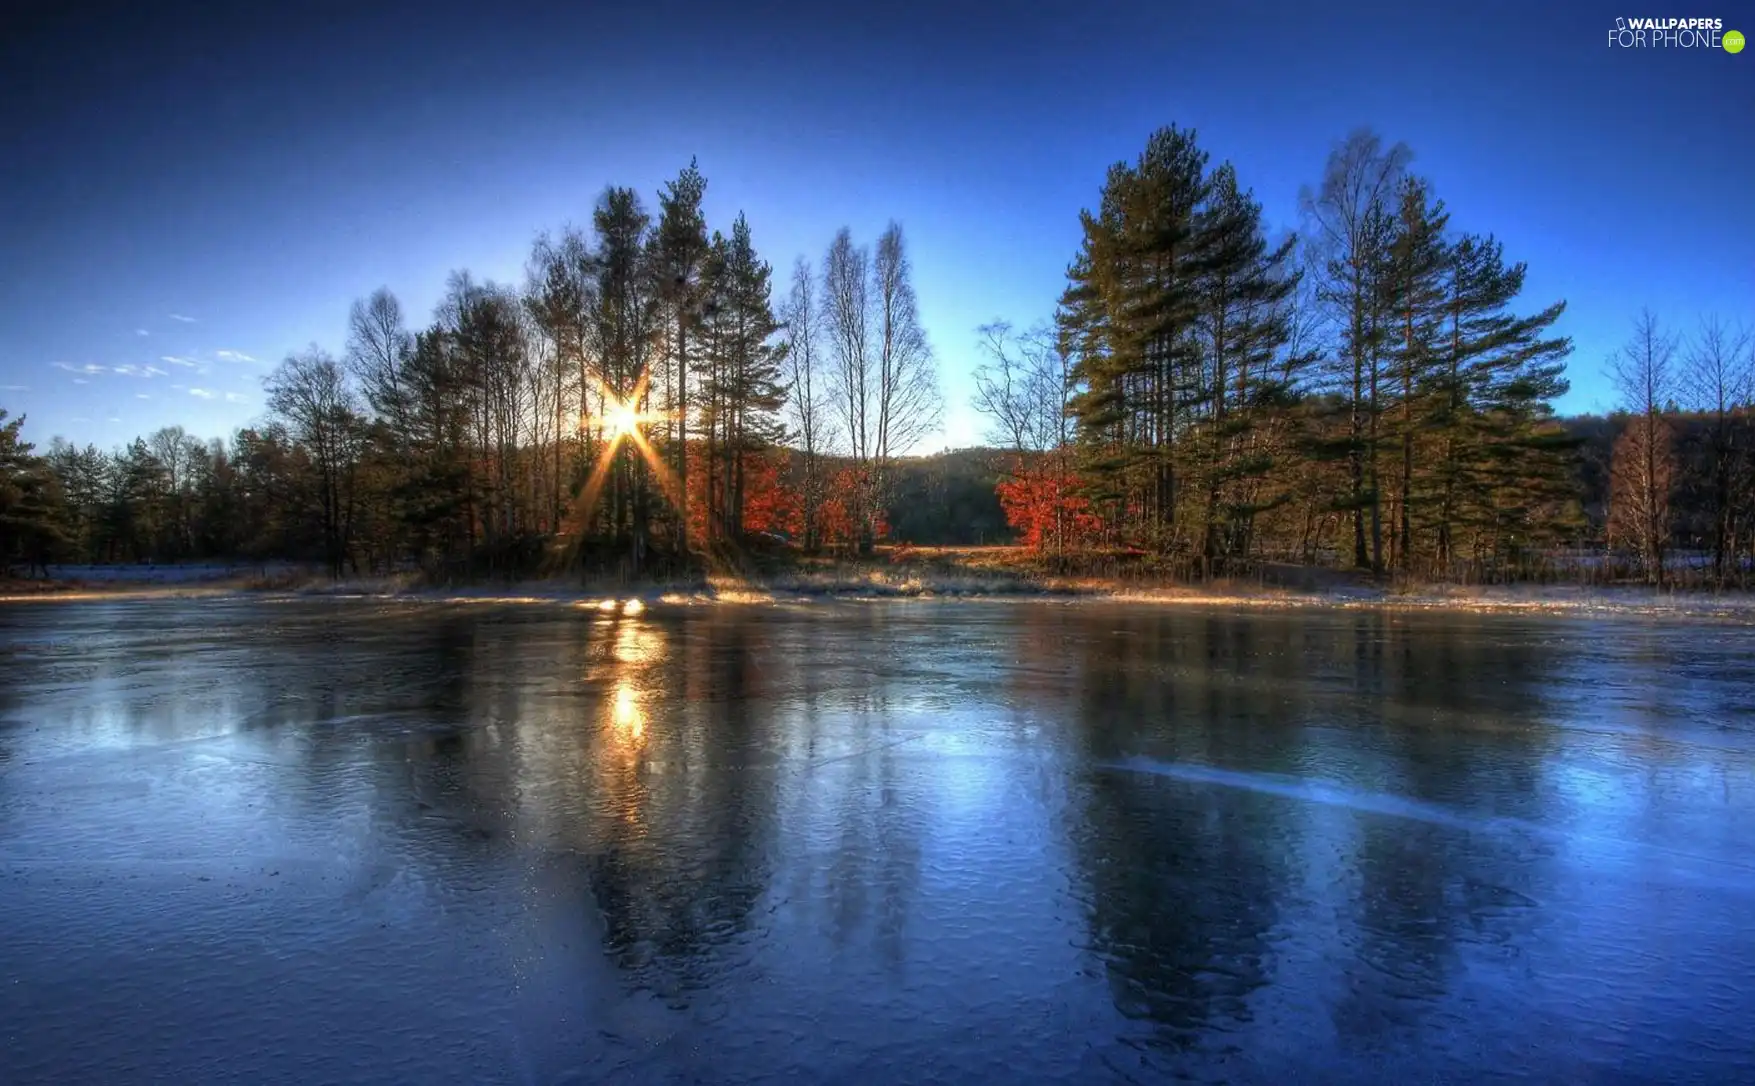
1024, 389
839, 526
1043, 502
769, 504
698, 494
773, 502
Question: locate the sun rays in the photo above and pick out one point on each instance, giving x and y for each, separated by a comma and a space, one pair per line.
622, 422
621, 419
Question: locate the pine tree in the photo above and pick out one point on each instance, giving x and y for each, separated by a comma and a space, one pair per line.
80, 475
1131, 313
1245, 287
134, 505
742, 386
1416, 263
432, 499
627, 324
1497, 374
1353, 223
682, 251
753, 395
31, 510
715, 358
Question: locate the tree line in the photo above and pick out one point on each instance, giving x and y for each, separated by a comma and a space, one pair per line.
1363, 393
625, 407
1370, 391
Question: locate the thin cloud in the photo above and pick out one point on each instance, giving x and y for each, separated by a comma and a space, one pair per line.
179, 388
236, 397
180, 317
88, 368
140, 371
141, 332
81, 381
14, 388
113, 418
176, 361
202, 393
232, 356
143, 395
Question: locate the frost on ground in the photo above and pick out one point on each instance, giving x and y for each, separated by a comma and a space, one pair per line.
879, 582
1627, 600
143, 580
917, 586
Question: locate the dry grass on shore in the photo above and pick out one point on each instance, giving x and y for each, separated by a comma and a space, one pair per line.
899, 573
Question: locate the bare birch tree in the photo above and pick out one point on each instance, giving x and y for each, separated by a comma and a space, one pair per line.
378, 344
1719, 381
561, 297
1643, 473
846, 313
808, 402
1642, 468
883, 376
908, 403
1023, 388
309, 392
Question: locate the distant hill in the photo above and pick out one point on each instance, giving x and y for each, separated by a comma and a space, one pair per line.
948, 499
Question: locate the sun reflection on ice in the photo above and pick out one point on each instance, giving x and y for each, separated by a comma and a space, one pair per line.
638, 648
626, 716
626, 671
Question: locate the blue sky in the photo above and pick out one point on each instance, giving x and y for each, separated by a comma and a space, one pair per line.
194, 197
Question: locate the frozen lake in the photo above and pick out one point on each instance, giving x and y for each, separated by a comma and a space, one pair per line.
347, 841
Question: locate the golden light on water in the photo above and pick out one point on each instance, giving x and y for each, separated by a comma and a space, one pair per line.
626, 668
638, 647
627, 719
630, 607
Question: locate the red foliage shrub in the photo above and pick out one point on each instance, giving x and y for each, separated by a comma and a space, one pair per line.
1044, 504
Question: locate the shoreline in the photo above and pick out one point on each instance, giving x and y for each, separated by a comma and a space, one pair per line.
876, 588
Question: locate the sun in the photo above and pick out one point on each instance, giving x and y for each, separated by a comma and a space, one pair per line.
623, 426
620, 420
